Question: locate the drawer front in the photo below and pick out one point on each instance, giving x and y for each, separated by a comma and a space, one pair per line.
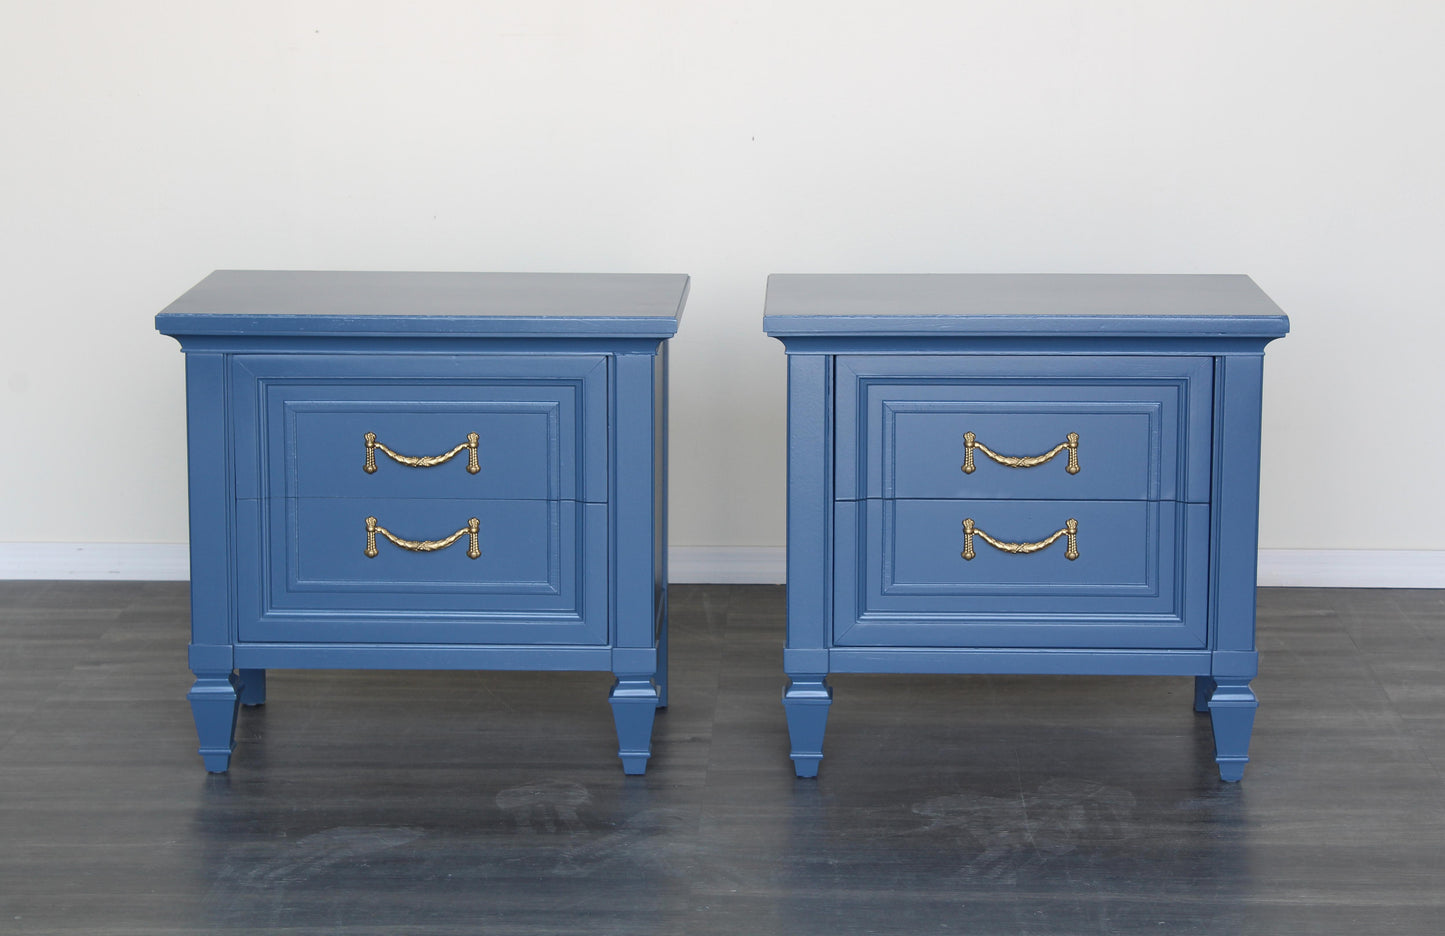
1138, 581
501, 427
314, 570
1107, 428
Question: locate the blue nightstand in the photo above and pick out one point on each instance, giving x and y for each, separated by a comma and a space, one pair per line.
1023, 474
427, 471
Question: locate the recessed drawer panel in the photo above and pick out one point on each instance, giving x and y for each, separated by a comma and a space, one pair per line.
995, 573
392, 570
1001, 427
416, 426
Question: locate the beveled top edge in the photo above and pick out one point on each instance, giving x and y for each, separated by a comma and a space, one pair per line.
1143, 305
406, 303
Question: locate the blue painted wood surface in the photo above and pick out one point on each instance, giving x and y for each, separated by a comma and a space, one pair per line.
421, 656
807, 697
639, 589
1140, 579
1159, 376
1054, 661
1027, 306
303, 575
902, 419
563, 380
252, 686
541, 421
377, 304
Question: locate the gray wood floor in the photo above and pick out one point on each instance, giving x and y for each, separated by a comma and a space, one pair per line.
409, 803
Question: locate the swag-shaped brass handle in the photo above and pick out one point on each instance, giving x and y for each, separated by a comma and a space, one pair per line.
970, 442
421, 461
474, 551
1071, 530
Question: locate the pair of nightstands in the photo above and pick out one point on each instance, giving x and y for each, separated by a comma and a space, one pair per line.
1017, 474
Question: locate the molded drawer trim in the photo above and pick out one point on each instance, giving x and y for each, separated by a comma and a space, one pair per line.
920, 552
307, 579
1140, 580
1145, 425
448, 393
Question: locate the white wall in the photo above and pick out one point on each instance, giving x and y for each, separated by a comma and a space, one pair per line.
143, 144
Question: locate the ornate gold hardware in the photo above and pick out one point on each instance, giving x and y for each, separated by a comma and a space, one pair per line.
421, 461
1071, 530
970, 442
471, 529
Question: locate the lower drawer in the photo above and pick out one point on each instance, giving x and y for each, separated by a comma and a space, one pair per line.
1139, 578
323, 570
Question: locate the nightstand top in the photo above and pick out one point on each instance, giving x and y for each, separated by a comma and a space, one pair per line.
1002, 304
379, 304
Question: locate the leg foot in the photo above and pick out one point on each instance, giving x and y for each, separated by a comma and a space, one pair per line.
1231, 711
253, 686
806, 702
634, 706
1203, 689
214, 704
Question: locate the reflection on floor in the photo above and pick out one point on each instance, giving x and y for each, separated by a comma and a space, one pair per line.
403, 802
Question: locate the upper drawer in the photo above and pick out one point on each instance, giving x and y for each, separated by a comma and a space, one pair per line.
1139, 428
304, 425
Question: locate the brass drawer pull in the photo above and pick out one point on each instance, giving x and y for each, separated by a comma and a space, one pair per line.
970, 442
1071, 530
473, 550
421, 461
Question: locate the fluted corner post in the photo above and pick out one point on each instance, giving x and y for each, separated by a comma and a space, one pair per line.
660, 397
215, 696
639, 542
810, 550
1234, 513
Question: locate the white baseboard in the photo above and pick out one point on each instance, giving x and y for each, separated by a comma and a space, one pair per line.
1353, 568
136, 562
729, 565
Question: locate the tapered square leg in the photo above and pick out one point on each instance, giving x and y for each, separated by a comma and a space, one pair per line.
1203, 689
806, 701
252, 686
214, 703
1231, 711
634, 707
